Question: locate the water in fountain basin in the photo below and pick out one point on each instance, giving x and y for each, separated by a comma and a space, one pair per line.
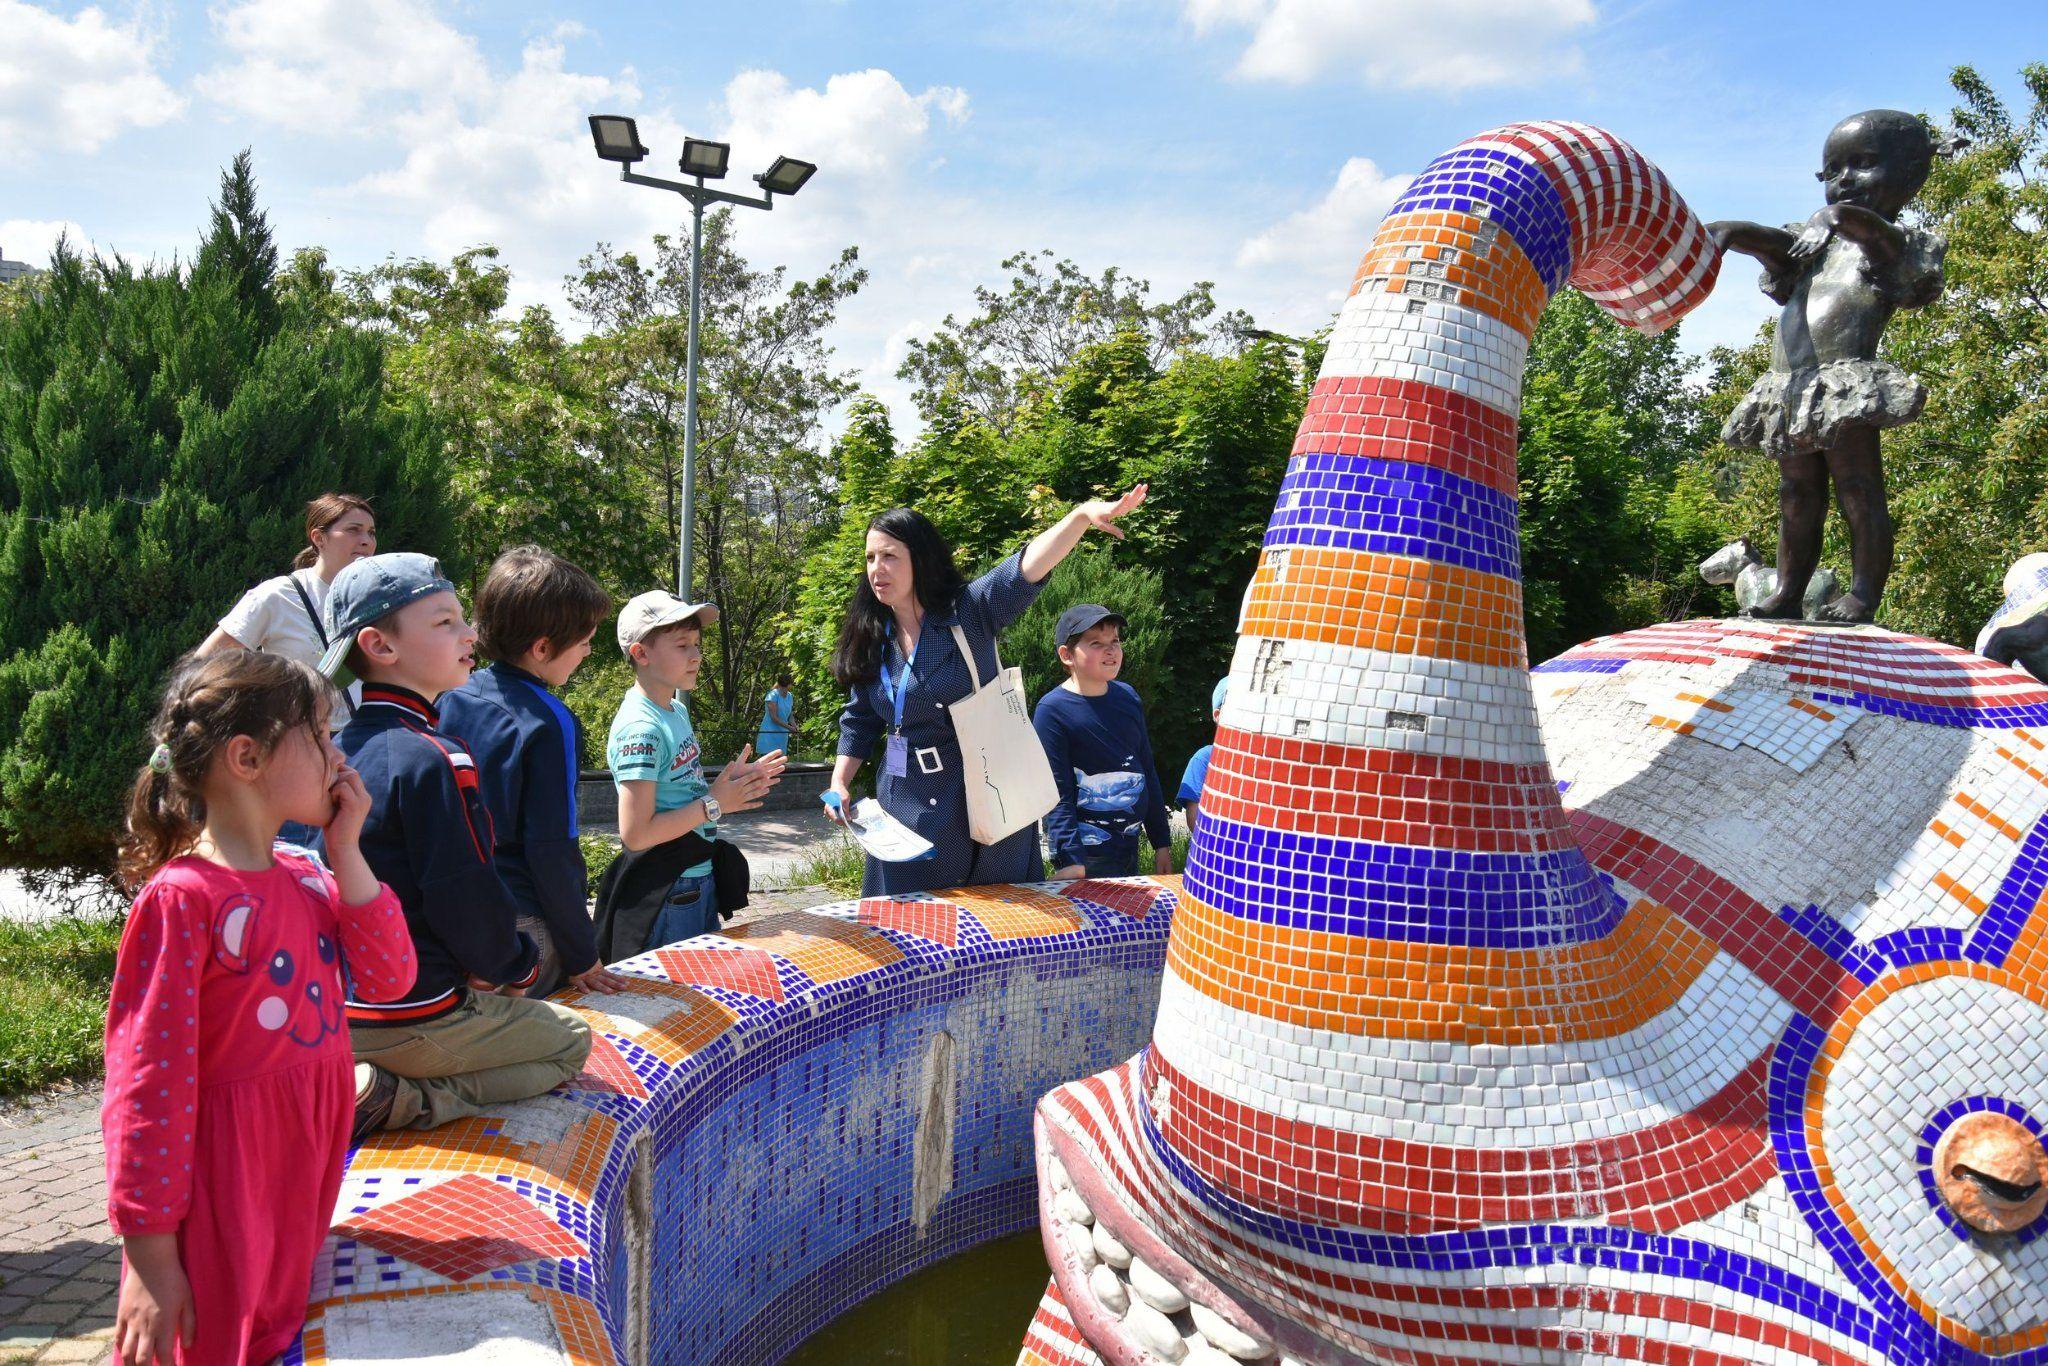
963, 1311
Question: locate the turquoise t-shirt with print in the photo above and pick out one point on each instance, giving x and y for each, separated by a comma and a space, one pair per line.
650, 743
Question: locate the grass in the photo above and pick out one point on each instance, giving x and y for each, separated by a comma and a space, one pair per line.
54, 980
834, 863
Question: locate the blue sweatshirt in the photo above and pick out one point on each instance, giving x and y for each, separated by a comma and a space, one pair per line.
429, 839
1101, 758
526, 747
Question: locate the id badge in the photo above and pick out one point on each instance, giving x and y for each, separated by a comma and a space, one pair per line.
896, 758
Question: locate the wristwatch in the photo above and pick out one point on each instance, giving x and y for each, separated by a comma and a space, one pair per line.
710, 808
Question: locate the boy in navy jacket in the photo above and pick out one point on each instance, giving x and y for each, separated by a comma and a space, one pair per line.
535, 616
463, 1040
1093, 730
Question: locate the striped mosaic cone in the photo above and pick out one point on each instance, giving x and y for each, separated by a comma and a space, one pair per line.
1390, 949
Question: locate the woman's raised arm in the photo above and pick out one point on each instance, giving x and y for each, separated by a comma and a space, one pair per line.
1051, 546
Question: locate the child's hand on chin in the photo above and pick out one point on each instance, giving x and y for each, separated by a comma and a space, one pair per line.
351, 808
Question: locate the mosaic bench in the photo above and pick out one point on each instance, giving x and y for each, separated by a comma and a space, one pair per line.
779, 1121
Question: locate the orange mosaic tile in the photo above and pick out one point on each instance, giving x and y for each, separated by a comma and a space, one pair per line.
1386, 602
571, 1164
1010, 912
827, 950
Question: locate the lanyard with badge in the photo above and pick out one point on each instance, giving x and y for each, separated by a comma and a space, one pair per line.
896, 756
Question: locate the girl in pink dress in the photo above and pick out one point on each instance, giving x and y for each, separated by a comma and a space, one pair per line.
230, 1087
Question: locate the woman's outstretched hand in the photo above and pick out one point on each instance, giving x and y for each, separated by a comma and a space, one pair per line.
1101, 513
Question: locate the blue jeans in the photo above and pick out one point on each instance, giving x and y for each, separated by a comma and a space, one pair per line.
689, 909
1118, 858
291, 832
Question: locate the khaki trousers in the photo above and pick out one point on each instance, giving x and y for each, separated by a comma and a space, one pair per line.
489, 1050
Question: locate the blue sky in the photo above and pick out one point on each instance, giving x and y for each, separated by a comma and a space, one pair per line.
1249, 142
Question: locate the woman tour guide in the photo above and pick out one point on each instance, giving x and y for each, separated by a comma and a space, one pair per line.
281, 616
897, 657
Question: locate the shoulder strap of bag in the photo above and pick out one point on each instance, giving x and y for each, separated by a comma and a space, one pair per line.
966, 653
306, 601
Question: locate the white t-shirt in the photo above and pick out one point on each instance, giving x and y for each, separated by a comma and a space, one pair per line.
271, 618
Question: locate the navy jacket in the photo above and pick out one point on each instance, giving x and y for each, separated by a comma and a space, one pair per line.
429, 839
526, 747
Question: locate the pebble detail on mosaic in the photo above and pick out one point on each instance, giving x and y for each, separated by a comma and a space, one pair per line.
1617, 1010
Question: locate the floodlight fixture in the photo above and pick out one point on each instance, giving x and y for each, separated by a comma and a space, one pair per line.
617, 138
786, 176
704, 159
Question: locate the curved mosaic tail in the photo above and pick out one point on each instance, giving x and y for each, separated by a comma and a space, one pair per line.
1390, 949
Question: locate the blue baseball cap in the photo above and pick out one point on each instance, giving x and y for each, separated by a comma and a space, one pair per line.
368, 590
1216, 697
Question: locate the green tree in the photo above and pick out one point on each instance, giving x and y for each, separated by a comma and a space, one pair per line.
1615, 512
160, 430
521, 414
1093, 574
766, 381
1024, 337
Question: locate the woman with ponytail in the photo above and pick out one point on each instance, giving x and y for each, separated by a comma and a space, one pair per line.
282, 615
230, 1085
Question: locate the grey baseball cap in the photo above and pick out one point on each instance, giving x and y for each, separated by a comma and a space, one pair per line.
653, 610
368, 590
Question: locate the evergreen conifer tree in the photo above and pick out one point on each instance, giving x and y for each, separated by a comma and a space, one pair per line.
161, 429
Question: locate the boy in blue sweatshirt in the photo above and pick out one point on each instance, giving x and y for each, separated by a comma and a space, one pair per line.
1093, 730
535, 616
463, 1040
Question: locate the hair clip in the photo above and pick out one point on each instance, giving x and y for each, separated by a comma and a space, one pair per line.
160, 759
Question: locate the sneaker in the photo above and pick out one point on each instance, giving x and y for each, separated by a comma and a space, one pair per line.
376, 1089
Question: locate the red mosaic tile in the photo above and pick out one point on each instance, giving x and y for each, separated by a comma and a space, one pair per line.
607, 1070
938, 921
1135, 900
439, 1229
747, 970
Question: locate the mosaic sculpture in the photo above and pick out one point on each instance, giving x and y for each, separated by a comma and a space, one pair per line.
2018, 631
1709, 1032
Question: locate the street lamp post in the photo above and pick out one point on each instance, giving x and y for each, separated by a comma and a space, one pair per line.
618, 139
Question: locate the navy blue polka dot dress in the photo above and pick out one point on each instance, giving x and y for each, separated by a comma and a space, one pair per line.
930, 797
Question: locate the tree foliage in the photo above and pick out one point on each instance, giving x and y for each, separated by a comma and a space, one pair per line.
766, 381
1024, 337
160, 430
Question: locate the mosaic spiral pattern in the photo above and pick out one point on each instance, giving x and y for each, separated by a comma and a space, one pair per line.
1634, 1047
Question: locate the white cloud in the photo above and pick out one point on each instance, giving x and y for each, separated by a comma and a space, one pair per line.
1410, 44
33, 240
1303, 264
72, 85
334, 65
861, 123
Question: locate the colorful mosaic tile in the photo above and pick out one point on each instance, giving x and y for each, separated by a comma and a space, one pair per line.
1611, 1012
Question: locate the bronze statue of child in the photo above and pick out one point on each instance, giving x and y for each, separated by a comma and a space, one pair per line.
1840, 275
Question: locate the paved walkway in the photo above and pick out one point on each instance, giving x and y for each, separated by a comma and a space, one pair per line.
60, 1265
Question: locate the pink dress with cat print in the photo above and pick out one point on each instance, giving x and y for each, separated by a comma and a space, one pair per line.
230, 1087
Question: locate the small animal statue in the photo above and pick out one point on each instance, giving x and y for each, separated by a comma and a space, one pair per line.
2018, 631
1739, 564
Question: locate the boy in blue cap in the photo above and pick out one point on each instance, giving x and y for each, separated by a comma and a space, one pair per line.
462, 1040
1093, 730
1197, 772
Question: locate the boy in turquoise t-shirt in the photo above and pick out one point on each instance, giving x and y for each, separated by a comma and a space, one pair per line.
658, 765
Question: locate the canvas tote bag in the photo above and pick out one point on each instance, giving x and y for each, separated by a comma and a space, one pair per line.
1002, 764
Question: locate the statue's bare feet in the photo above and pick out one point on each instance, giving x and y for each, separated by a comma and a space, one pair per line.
1779, 606
1848, 609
